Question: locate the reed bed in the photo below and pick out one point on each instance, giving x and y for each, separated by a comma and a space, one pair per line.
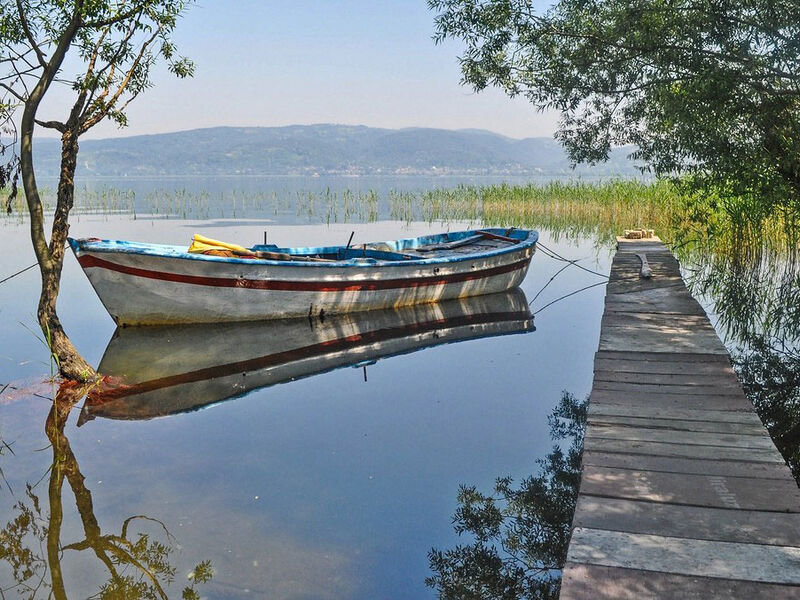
731, 252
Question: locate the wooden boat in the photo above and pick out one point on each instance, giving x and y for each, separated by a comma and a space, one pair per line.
145, 284
162, 370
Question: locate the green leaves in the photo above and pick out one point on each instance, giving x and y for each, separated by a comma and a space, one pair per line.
699, 88
202, 573
118, 42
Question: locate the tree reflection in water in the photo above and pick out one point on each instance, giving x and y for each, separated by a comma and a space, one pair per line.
520, 534
753, 283
771, 379
137, 562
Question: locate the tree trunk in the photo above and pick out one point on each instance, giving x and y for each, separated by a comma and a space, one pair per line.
51, 259
70, 364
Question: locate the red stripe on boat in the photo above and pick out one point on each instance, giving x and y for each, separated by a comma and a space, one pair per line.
89, 261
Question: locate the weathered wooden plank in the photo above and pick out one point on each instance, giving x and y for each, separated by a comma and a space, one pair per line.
624, 287
715, 491
665, 400
683, 450
641, 245
658, 296
650, 339
665, 280
653, 328
662, 259
721, 379
653, 325
664, 367
674, 436
658, 412
628, 261
677, 322
694, 522
659, 357
694, 465
653, 307
749, 428
732, 389
585, 582
724, 560
630, 266
633, 275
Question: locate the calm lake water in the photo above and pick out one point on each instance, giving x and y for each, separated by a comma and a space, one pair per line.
328, 474
326, 485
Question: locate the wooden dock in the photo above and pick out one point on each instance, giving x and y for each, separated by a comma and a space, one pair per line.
683, 494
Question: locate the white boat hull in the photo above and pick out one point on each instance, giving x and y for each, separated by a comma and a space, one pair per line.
145, 289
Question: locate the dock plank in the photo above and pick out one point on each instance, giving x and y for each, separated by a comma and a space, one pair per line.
721, 379
686, 556
693, 522
690, 465
678, 436
658, 357
610, 583
747, 428
656, 412
681, 450
694, 388
636, 398
711, 491
683, 494
642, 339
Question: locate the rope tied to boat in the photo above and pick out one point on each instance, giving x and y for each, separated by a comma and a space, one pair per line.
550, 253
20, 272
556, 256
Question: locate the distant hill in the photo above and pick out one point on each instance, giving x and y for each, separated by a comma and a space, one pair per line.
323, 150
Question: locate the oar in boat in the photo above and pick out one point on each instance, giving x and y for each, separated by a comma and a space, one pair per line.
497, 236
204, 245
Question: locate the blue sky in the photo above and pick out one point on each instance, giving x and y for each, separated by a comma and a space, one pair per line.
278, 62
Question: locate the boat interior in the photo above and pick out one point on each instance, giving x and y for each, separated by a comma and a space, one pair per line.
434, 246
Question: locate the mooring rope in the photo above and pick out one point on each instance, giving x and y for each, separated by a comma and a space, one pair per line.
583, 289
18, 273
556, 256
28, 268
550, 253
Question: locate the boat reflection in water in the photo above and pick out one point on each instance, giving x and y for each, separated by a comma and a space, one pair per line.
158, 371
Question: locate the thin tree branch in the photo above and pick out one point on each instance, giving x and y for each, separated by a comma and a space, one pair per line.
106, 108
119, 17
26, 29
57, 125
12, 91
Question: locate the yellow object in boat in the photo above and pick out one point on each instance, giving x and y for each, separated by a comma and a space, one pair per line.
204, 245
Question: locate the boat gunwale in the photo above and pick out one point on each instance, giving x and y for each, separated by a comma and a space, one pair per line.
94, 245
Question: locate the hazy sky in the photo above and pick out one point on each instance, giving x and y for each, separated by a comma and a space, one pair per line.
280, 62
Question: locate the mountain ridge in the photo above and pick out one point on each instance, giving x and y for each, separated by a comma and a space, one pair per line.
322, 149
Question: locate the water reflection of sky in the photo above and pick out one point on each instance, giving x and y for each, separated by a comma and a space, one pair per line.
325, 487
